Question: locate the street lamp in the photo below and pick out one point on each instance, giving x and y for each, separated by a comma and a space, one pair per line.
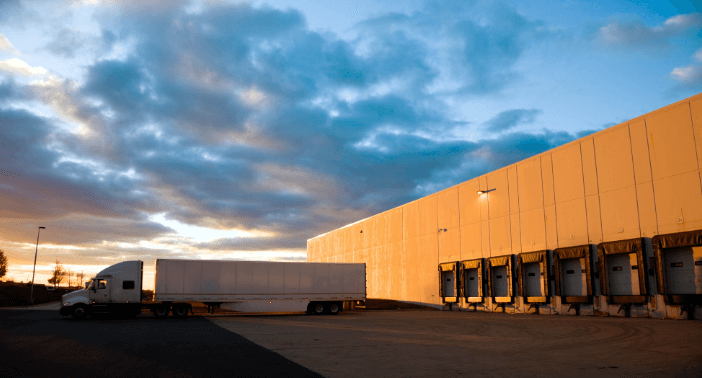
31, 292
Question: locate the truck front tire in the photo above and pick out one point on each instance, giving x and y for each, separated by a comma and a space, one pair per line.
79, 312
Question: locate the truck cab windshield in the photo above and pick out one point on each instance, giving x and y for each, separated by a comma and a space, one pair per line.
89, 285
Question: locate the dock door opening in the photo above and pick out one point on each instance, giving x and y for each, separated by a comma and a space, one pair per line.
679, 266
449, 282
532, 274
571, 267
622, 271
473, 280
500, 278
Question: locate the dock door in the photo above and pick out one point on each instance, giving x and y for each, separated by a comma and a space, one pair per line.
622, 271
500, 278
679, 264
571, 267
532, 274
473, 280
448, 288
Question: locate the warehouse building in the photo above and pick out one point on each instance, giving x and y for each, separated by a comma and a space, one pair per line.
609, 224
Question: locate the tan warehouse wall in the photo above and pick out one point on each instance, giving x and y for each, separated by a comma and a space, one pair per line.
640, 178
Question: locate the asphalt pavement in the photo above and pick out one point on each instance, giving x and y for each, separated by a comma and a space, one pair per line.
40, 343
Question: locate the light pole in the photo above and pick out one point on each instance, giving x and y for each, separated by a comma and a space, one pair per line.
31, 292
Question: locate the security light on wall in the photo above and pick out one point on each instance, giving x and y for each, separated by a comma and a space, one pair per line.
486, 191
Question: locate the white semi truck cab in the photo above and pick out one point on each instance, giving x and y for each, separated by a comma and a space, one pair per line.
118, 289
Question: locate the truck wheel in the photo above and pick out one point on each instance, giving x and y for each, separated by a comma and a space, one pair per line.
180, 311
79, 312
161, 312
333, 308
316, 308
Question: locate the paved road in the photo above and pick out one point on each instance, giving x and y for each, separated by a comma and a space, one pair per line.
35, 343
353, 344
456, 344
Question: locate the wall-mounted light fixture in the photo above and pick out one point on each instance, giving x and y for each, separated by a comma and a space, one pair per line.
486, 191
443, 229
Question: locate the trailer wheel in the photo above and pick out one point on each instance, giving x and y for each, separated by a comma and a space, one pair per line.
180, 311
79, 312
333, 308
316, 308
161, 312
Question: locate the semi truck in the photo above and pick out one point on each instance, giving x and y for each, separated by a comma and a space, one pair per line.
178, 283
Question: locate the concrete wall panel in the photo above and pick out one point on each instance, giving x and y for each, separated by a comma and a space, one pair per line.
394, 268
357, 236
571, 222
533, 230
529, 182
412, 269
448, 208
671, 142
368, 231
498, 200
469, 202
587, 151
515, 233
347, 239
696, 112
410, 220
428, 214
485, 243
513, 190
381, 227
500, 236
429, 274
395, 225
678, 203
471, 241
615, 168
547, 179
551, 230
639, 151
567, 173
450, 245
594, 220
647, 210
619, 214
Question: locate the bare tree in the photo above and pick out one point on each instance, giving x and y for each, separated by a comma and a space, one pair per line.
3, 264
79, 277
57, 275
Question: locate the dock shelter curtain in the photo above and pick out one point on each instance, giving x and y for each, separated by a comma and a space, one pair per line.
617, 247
499, 261
474, 264
581, 252
529, 258
675, 240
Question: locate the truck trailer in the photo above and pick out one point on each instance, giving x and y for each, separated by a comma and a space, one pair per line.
118, 289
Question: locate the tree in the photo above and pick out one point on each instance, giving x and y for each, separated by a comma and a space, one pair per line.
57, 275
79, 278
3, 264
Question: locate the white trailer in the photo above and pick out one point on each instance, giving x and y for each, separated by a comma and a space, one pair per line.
117, 289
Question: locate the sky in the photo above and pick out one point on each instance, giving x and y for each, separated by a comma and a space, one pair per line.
238, 130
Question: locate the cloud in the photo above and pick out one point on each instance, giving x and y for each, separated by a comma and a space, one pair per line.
690, 75
508, 119
636, 33
66, 43
246, 119
20, 67
6, 46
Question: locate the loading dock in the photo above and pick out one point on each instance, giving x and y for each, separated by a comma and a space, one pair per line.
622, 272
472, 272
572, 273
499, 272
448, 287
678, 258
532, 275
